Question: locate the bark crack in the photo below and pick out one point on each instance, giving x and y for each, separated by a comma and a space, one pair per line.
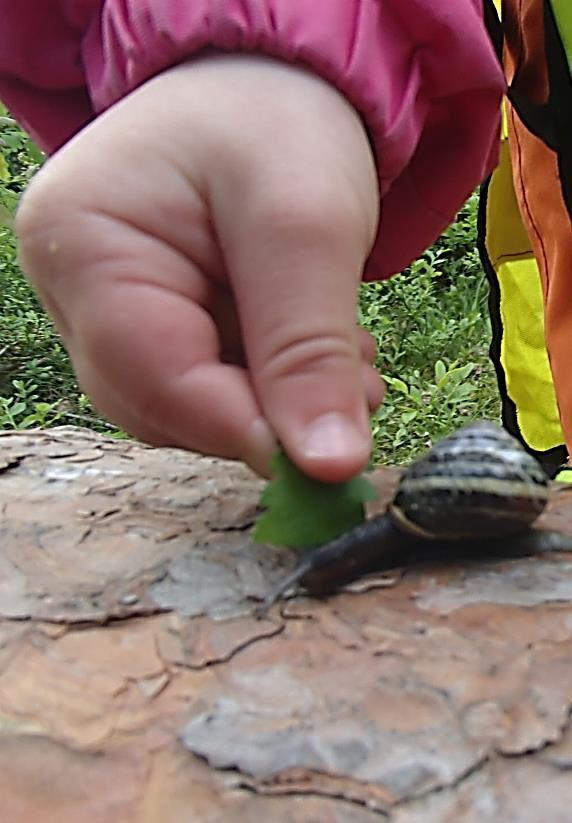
11, 463
315, 784
474, 769
369, 804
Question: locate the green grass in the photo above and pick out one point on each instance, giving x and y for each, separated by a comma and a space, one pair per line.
432, 328
430, 323
37, 383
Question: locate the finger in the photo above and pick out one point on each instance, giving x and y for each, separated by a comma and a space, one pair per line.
374, 387
232, 351
223, 310
186, 394
297, 295
367, 344
145, 348
308, 205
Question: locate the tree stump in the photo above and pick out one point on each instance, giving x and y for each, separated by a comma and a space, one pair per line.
138, 686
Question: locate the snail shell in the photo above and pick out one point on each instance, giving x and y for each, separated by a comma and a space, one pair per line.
477, 482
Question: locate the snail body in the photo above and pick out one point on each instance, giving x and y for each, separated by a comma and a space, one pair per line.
474, 495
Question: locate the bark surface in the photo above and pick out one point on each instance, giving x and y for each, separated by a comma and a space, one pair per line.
138, 686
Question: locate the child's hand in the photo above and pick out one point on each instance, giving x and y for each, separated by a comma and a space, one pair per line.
200, 246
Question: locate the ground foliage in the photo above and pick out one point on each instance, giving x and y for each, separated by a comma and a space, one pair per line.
433, 333
431, 325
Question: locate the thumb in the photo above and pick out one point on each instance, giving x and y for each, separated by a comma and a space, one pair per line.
304, 356
295, 268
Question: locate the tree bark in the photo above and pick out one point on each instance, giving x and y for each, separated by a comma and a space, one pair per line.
137, 684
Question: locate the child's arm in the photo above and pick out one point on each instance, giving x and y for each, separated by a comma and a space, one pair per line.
200, 243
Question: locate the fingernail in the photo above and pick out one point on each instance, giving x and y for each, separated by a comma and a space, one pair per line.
259, 447
334, 435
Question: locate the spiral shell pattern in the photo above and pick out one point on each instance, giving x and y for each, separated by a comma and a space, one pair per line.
477, 482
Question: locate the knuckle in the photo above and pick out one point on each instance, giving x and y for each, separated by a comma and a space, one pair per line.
28, 217
45, 221
310, 354
37, 213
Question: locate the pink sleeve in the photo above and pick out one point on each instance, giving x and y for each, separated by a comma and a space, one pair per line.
422, 74
42, 77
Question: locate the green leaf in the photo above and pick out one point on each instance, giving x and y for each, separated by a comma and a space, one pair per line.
304, 512
17, 408
461, 372
13, 139
440, 372
396, 384
33, 152
8, 199
6, 218
4, 173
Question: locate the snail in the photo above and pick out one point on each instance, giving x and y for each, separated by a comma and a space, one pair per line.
475, 495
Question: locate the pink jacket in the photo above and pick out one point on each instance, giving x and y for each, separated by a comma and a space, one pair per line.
422, 74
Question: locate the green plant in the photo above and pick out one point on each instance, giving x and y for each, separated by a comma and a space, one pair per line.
19, 160
303, 512
432, 330
421, 410
37, 383
24, 410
